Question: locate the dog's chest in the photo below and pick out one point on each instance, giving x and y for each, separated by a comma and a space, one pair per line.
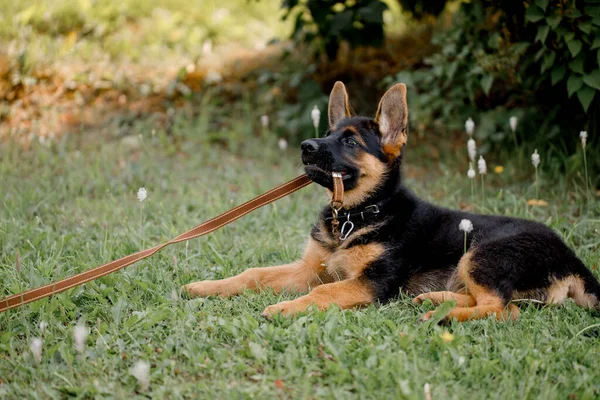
348, 263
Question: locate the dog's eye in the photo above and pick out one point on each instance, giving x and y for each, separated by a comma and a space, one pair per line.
350, 142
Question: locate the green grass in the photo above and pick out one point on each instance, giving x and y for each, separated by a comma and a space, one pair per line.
171, 31
73, 206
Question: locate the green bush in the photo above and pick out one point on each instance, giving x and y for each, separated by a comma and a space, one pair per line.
568, 37
326, 23
537, 60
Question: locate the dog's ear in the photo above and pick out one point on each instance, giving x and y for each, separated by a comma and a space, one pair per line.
392, 118
339, 107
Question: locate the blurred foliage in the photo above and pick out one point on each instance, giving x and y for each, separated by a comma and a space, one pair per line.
326, 23
134, 29
423, 8
536, 60
488, 59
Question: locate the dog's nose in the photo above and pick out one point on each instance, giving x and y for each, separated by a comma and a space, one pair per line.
309, 145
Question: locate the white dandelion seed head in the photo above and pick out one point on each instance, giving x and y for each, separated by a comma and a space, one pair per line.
315, 114
583, 135
283, 144
43, 326
482, 165
36, 349
470, 126
535, 158
141, 371
427, 391
471, 173
264, 121
80, 333
213, 77
472, 149
465, 226
513, 123
142, 193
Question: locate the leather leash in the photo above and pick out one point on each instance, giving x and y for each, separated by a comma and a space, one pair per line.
337, 202
204, 228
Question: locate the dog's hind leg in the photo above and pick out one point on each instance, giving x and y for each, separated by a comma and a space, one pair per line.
298, 276
486, 301
437, 298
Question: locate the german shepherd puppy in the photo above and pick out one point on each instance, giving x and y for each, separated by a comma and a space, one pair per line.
395, 241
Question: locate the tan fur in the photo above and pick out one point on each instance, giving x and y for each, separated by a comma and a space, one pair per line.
437, 298
346, 294
350, 263
372, 174
487, 302
324, 236
339, 106
573, 287
392, 118
393, 150
298, 276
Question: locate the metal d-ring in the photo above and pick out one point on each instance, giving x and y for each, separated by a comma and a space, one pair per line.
344, 234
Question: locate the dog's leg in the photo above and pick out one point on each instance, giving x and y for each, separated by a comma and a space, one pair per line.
487, 301
298, 276
502, 313
437, 298
345, 294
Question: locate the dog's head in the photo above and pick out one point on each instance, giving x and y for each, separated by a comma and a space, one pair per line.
363, 150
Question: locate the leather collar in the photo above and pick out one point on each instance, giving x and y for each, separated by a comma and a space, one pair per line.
363, 213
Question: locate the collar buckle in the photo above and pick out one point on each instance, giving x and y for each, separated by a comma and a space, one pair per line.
373, 208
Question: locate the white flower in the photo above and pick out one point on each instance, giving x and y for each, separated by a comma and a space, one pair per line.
465, 226
481, 164
213, 77
315, 114
427, 391
283, 144
43, 326
207, 47
80, 333
471, 172
142, 194
472, 149
535, 158
513, 123
36, 349
470, 126
583, 136
141, 372
264, 121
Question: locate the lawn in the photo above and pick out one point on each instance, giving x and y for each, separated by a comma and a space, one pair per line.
72, 205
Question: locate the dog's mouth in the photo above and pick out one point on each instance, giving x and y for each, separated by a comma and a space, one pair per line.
314, 170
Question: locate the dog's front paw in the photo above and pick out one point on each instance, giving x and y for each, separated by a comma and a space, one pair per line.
202, 289
420, 299
427, 316
285, 308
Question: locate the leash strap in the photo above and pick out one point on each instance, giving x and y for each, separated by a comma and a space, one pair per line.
337, 202
204, 228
